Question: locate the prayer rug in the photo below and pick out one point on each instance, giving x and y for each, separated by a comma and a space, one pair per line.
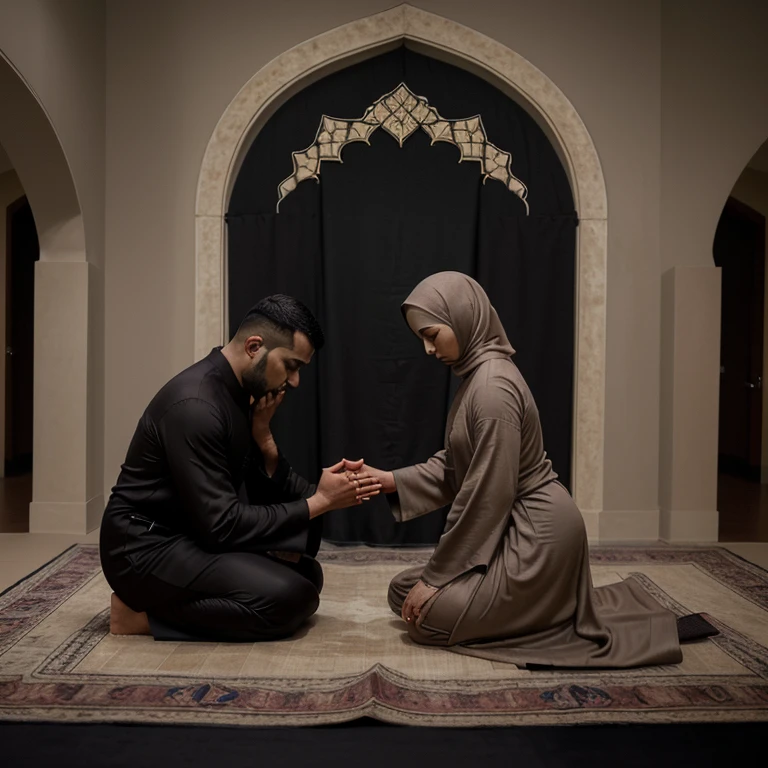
58, 661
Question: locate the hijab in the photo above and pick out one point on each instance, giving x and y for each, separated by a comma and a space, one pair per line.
458, 301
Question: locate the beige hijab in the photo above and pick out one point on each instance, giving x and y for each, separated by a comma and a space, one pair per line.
456, 300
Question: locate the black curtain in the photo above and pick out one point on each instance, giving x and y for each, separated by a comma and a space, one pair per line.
355, 244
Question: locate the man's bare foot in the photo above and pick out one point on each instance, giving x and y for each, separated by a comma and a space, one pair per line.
125, 621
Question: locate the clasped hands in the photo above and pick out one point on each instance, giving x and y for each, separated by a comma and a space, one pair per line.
370, 481
345, 484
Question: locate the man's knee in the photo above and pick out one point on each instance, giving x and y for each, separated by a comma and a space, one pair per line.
293, 602
312, 570
306, 600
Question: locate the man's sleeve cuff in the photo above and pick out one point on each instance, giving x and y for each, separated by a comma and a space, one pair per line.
298, 538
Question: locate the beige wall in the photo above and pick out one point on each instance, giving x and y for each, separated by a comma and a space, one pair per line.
714, 115
58, 47
10, 191
689, 420
752, 189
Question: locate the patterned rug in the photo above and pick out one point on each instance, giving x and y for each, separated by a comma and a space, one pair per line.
58, 661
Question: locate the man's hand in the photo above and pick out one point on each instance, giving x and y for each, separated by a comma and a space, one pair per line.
263, 411
414, 602
338, 491
262, 414
385, 479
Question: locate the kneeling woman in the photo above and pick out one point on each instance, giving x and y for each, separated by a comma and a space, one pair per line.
509, 579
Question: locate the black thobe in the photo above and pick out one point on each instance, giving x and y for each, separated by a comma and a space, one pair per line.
189, 525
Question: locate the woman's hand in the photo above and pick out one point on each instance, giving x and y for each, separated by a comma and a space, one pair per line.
336, 490
414, 602
384, 478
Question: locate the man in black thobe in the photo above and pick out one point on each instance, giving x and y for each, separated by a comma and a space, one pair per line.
209, 534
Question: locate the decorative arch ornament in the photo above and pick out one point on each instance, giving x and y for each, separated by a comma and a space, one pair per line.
450, 41
400, 113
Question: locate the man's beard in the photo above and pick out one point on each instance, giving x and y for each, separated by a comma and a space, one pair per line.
255, 380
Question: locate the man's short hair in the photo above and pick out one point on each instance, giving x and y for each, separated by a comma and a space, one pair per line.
277, 318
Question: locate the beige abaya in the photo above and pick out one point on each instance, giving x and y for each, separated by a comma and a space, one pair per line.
512, 565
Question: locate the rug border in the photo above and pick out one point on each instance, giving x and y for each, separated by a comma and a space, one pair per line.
741, 557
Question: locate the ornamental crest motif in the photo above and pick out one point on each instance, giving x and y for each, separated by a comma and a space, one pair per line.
400, 113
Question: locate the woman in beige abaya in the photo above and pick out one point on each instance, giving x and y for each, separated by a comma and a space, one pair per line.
509, 579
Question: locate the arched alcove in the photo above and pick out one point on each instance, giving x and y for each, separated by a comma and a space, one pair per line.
522, 81
402, 193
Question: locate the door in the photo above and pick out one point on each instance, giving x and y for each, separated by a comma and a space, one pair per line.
22, 253
739, 250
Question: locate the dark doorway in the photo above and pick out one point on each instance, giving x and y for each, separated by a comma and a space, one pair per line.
22, 253
739, 250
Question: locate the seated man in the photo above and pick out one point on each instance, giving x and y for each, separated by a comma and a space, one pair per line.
209, 534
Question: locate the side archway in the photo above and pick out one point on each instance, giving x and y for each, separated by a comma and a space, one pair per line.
63, 498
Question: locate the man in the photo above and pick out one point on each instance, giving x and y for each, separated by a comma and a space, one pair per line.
209, 534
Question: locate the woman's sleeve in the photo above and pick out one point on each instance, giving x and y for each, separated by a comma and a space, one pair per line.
481, 511
422, 488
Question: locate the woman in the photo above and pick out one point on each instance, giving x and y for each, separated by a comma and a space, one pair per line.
509, 579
